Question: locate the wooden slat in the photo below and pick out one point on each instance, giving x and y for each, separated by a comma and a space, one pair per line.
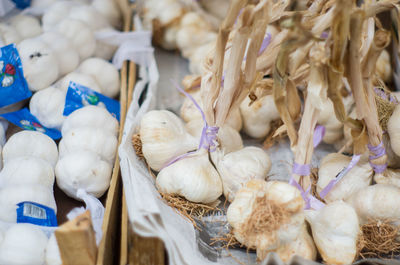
124, 233
146, 251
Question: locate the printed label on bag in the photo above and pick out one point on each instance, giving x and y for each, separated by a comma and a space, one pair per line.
21, 4
24, 119
79, 96
13, 86
35, 213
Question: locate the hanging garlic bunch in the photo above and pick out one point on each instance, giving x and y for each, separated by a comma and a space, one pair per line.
383, 67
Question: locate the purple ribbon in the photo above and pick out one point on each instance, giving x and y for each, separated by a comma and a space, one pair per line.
265, 43
324, 35
319, 133
301, 170
383, 95
378, 151
208, 139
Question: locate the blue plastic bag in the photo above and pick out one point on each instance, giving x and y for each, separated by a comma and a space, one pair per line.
13, 86
35, 213
24, 119
79, 96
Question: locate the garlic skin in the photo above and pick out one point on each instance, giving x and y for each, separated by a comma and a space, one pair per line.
67, 56
189, 112
164, 137
103, 143
31, 143
9, 34
376, 202
47, 106
229, 139
257, 118
79, 78
27, 170
193, 177
356, 179
391, 176
110, 10
80, 35
274, 193
83, 170
39, 62
218, 8
56, 13
383, 67
26, 26
197, 56
239, 167
23, 244
53, 256
104, 50
393, 128
89, 15
91, 116
335, 230
104, 73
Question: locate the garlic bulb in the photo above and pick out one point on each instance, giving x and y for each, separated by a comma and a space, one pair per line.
383, 67
103, 143
67, 56
189, 112
89, 15
164, 11
104, 73
30, 143
199, 53
229, 139
79, 78
257, 118
193, 178
52, 252
164, 137
393, 127
168, 40
80, 35
23, 244
91, 116
391, 176
26, 26
335, 230
39, 62
257, 203
110, 10
241, 166
104, 50
56, 13
83, 170
376, 202
42, 4
47, 106
359, 177
333, 127
9, 34
27, 170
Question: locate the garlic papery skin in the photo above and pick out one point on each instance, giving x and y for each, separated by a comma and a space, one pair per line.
189, 112
335, 230
239, 167
47, 106
23, 244
359, 177
393, 128
26, 26
376, 202
383, 67
391, 176
96, 140
91, 116
257, 203
56, 13
257, 118
333, 127
193, 177
31, 143
164, 137
104, 73
83, 170
82, 79
110, 10
39, 63
89, 15
26, 170
9, 34
67, 56
53, 256
104, 50
229, 139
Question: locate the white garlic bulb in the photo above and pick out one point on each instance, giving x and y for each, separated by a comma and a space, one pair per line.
376, 202
257, 118
53, 256
47, 106
80, 35
104, 50
42, 4
239, 167
23, 244
9, 34
189, 112
39, 62
259, 200
333, 127
26, 26
168, 40
97, 140
197, 56
110, 10
67, 56
193, 177
383, 67
81, 79
30, 143
165, 11
83, 170
359, 177
89, 15
164, 137
104, 73
91, 116
393, 127
335, 230
56, 13
26, 170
